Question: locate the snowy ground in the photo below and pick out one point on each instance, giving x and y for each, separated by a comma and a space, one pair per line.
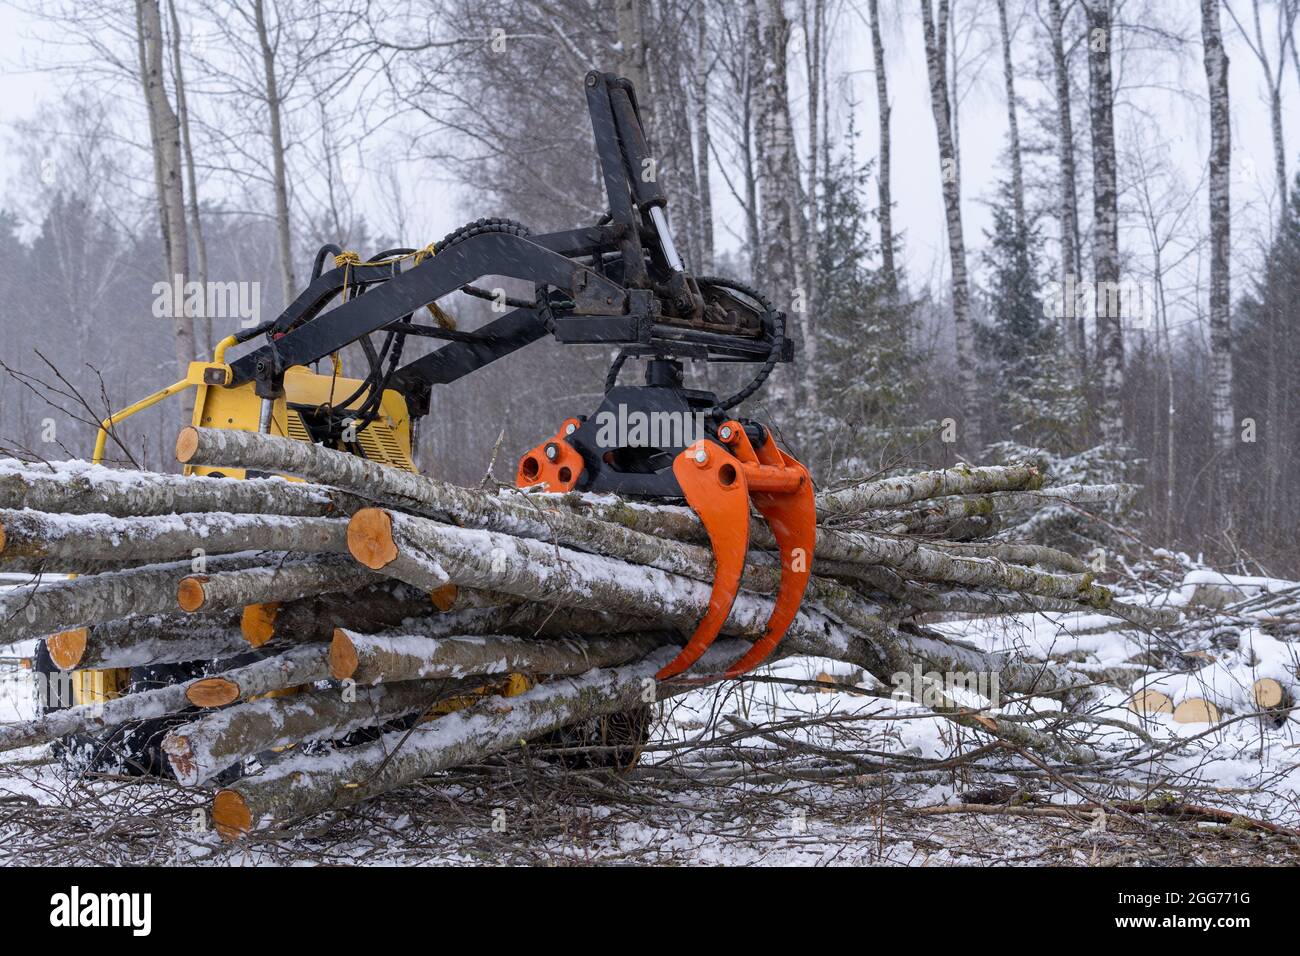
782, 771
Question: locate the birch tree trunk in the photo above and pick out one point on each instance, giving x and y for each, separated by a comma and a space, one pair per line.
700, 87
1221, 412
1105, 239
1074, 321
935, 60
204, 340
166, 134
280, 184
783, 222
883, 184
813, 54
1013, 126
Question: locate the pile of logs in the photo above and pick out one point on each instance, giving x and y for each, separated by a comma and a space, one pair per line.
448, 624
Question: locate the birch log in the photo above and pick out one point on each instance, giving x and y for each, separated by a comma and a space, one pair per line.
403, 546
156, 639
219, 739
295, 667
404, 657
38, 535
259, 585
300, 786
75, 487
140, 705
47, 607
440, 500
313, 618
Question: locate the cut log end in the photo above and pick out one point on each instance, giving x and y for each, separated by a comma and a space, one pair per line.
1150, 702
2, 537
1196, 710
67, 647
187, 443
230, 815
343, 656
370, 538
444, 598
1269, 693
212, 692
257, 622
189, 594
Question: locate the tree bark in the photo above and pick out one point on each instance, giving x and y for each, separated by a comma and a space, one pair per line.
165, 129
700, 86
1105, 229
385, 658
300, 786
287, 581
223, 738
1073, 321
885, 211
140, 641
48, 607
80, 489
784, 229
950, 177
191, 181
295, 667
37, 534
405, 547
1220, 176
1013, 125
315, 617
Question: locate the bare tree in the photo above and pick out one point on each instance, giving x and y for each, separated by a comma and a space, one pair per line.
191, 177
1274, 67
1068, 202
1105, 225
1216, 74
703, 142
783, 222
165, 133
1013, 126
280, 184
935, 59
885, 212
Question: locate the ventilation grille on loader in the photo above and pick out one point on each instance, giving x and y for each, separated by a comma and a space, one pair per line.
377, 441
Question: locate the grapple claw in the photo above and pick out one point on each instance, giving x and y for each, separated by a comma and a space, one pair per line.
714, 485
718, 483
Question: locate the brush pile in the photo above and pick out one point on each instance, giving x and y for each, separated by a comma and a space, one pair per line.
364, 627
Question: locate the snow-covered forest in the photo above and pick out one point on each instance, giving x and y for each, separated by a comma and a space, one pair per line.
1054, 234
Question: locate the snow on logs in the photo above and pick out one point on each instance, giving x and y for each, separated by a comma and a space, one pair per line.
404, 591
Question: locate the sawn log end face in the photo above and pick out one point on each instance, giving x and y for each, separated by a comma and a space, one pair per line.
67, 647
343, 656
230, 815
370, 538
257, 622
187, 443
212, 692
189, 593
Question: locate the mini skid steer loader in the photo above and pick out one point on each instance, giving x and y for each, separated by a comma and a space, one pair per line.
617, 283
